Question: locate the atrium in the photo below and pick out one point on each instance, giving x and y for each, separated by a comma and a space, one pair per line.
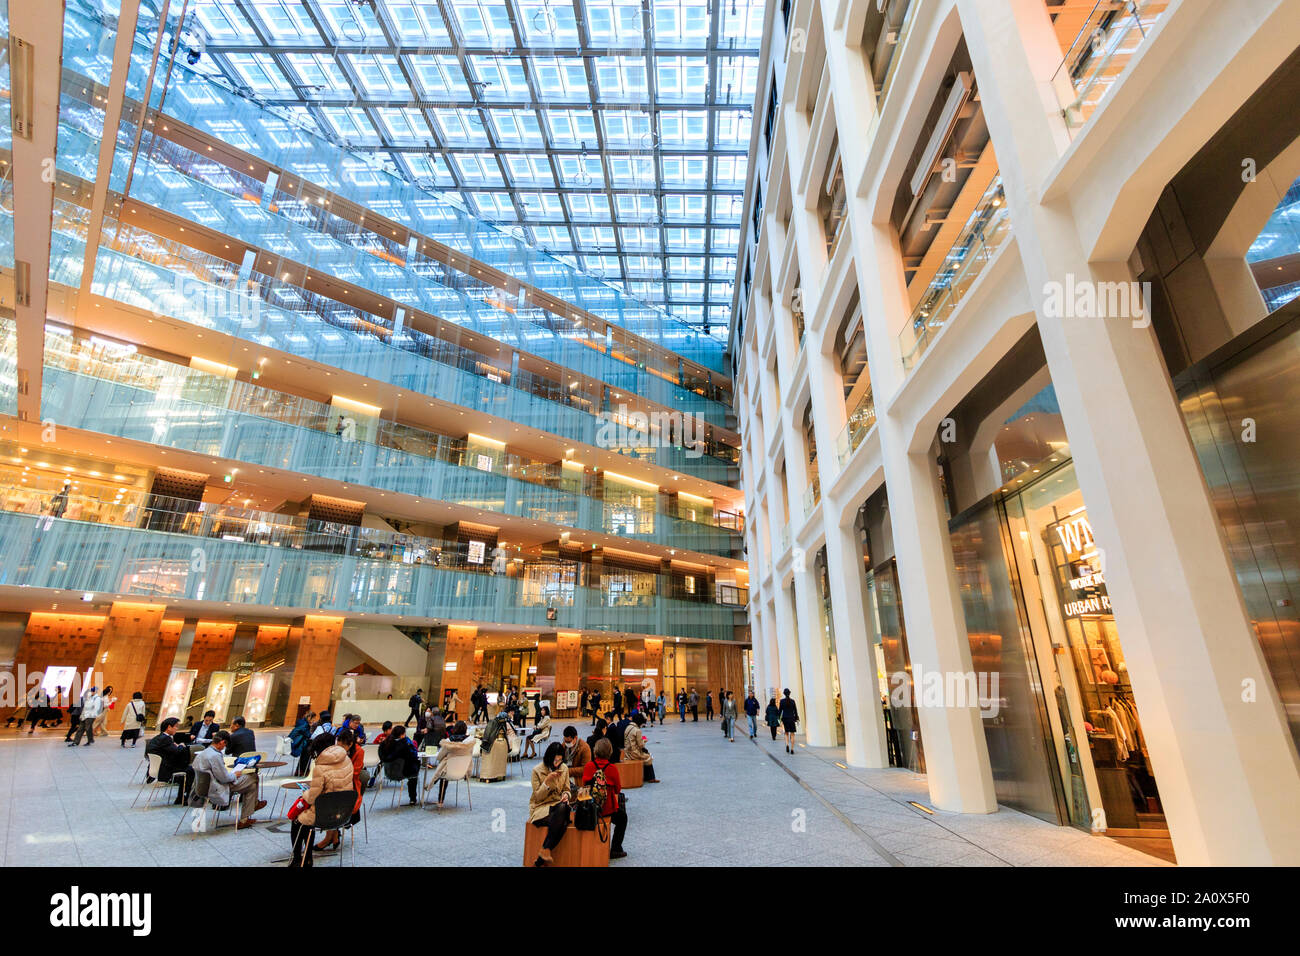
903, 387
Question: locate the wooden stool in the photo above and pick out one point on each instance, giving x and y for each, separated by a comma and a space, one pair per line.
578, 848
631, 774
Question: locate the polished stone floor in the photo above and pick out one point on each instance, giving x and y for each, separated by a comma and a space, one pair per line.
721, 804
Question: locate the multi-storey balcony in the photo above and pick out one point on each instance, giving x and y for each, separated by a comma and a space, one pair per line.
164, 550
1105, 43
278, 314
150, 400
293, 229
202, 103
861, 418
980, 239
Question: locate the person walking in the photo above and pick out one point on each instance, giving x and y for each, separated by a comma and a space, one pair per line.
663, 707
789, 718
133, 719
751, 711
92, 705
38, 708
729, 715
708, 705
695, 706
101, 722
416, 703
773, 716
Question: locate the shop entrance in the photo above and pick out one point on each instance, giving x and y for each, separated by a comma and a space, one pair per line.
1099, 745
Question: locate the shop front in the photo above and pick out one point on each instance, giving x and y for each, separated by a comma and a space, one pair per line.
1063, 726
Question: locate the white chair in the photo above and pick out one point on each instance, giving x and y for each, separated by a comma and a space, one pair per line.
538, 738
155, 767
291, 785
141, 768
459, 767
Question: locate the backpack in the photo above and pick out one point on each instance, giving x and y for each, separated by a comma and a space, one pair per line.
599, 789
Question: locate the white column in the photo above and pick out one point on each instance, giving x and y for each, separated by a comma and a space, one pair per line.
864, 724
791, 673
1225, 764
818, 708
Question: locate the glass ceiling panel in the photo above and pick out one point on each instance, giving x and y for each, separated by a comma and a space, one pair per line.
616, 131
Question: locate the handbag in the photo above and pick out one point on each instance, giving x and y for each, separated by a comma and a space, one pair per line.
585, 813
298, 807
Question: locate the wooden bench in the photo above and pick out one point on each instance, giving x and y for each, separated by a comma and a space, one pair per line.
578, 848
631, 774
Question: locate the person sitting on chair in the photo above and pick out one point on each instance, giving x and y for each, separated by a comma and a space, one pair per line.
548, 806
542, 730
212, 761
459, 744
173, 757
242, 740
399, 749
202, 731
348, 741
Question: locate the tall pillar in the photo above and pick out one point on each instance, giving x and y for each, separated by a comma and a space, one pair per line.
458, 663
864, 724
787, 636
126, 649
210, 652
317, 638
568, 663
654, 662
818, 710
956, 750
160, 666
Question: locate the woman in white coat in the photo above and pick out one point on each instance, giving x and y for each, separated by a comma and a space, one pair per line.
133, 715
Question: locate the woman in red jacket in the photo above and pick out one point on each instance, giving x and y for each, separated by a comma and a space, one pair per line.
613, 808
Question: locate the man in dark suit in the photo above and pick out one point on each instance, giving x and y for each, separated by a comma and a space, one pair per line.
616, 733
174, 758
242, 740
202, 731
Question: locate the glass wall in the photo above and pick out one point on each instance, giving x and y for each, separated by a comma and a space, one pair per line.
1243, 413
1064, 732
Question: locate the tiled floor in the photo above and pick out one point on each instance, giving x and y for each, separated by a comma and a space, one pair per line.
720, 804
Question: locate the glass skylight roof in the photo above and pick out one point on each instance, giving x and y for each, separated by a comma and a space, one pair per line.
615, 132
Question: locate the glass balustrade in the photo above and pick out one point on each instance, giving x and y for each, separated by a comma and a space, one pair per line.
164, 549
213, 195
207, 291
975, 246
119, 392
278, 138
1110, 37
861, 420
